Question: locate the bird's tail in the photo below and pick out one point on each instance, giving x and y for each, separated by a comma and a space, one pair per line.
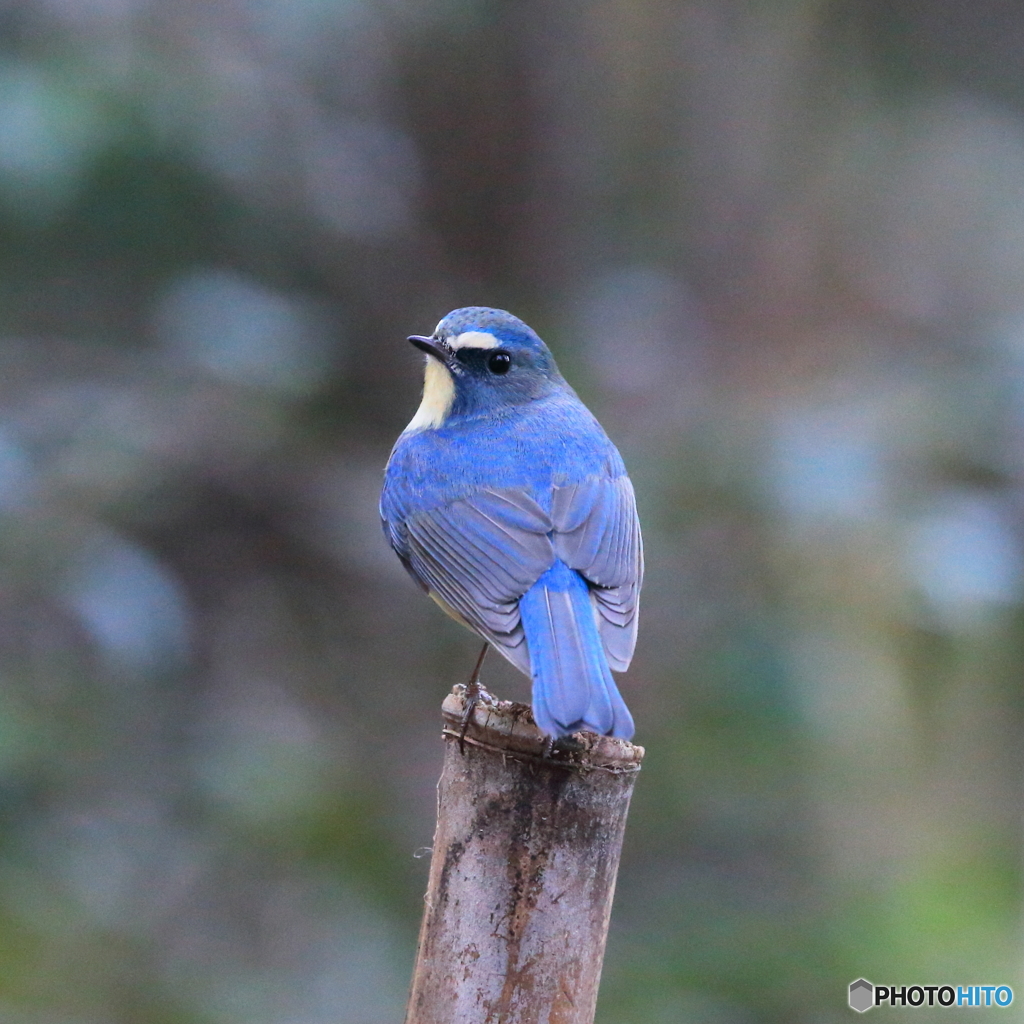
573, 687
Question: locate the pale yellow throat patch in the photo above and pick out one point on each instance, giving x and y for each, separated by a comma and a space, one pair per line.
438, 396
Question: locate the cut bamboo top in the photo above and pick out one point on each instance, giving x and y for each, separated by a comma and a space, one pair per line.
507, 727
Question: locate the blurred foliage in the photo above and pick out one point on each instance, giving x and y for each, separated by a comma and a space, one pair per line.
779, 249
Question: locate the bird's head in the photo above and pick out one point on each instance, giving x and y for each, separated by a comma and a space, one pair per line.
481, 360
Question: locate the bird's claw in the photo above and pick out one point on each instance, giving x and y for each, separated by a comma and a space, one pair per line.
475, 693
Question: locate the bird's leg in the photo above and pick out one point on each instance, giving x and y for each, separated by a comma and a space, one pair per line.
474, 692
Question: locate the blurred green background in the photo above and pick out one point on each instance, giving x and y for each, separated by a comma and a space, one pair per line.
777, 245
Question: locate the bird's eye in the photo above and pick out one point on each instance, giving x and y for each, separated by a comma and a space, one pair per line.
499, 362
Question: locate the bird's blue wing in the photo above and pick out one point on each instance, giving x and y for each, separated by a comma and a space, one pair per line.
597, 533
479, 555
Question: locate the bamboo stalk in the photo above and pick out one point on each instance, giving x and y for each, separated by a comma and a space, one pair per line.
522, 872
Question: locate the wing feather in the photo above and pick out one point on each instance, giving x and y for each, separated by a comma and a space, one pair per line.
597, 533
480, 554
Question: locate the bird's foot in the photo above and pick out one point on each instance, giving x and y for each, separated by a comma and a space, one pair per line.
562, 747
475, 694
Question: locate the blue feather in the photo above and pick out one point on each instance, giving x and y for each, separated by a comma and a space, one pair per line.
572, 686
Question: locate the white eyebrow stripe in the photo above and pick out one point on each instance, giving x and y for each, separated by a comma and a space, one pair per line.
473, 339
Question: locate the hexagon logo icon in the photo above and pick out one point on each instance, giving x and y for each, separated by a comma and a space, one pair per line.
862, 995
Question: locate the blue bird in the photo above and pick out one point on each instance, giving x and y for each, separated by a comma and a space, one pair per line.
509, 505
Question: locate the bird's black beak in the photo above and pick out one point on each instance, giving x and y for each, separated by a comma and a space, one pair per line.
438, 349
